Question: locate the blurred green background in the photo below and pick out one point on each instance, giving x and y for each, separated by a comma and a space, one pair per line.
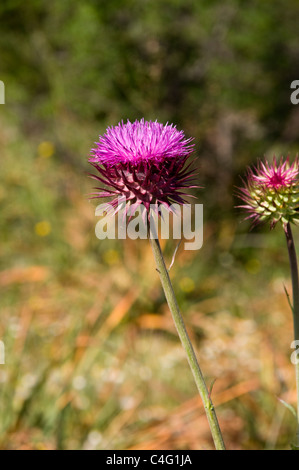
92, 360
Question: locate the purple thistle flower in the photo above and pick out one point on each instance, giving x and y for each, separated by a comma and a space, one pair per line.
271, 192
143, 162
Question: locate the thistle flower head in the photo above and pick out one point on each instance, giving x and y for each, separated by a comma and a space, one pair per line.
271, 192
143, 162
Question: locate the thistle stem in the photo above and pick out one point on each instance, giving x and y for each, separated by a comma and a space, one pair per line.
186, 343
295, 307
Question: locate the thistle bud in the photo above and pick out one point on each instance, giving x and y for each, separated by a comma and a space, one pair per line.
271, 192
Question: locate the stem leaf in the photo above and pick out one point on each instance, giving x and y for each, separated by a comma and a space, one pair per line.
211, 387
174, 255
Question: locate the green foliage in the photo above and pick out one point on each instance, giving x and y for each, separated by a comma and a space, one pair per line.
185, 62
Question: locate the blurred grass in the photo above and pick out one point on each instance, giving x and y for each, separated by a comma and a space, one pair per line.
92, 358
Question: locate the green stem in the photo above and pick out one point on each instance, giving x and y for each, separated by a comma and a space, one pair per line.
295, 307
181, 329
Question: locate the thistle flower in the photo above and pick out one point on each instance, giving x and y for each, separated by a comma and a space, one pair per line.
271, 192
143, 162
